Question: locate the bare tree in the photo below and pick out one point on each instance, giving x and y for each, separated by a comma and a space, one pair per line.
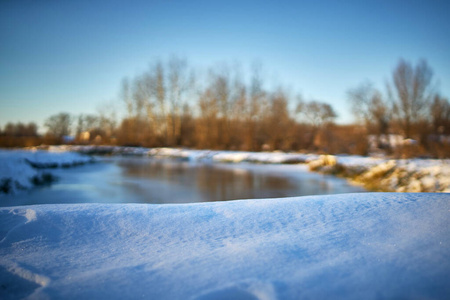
107, 115
180, 81
128, 133
136, 95
207, 135
215, 105
369, 108
257, 100
59, 125
160, 94
318, 116
125, 95
412, 94
440, 115
278, 121
187, 127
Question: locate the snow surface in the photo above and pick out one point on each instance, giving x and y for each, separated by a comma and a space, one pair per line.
353, 246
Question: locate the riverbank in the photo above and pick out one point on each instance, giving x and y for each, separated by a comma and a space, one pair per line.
375, 174
22, 169
388, 175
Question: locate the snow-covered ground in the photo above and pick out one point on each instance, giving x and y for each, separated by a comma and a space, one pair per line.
353, 246
20, 168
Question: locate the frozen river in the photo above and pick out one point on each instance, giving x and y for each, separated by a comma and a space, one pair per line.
150, 180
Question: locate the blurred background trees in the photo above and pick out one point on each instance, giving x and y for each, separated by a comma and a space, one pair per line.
19, 135
170, 105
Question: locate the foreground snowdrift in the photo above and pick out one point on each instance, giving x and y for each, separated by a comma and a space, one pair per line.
354, 246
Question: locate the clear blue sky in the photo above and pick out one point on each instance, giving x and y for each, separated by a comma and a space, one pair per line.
71, 55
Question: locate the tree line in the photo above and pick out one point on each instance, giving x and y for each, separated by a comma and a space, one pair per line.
411, 109
169, 106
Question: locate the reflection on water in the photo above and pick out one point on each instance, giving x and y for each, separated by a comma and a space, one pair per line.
147, 180
212, 181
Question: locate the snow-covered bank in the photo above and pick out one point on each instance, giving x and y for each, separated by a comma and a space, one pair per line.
197, 155
354, 246
21, 169
379, 174
404, 175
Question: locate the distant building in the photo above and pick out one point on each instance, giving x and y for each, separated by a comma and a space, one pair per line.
85, 136
68, 139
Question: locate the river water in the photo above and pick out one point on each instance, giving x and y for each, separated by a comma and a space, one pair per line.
150, 180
